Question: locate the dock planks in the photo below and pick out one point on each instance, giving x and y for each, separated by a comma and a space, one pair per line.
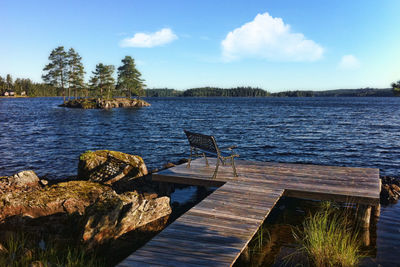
218, 229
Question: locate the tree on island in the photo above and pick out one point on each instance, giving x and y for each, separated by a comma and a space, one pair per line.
396, 88
129, 78
102, 80
76, 73
57, 70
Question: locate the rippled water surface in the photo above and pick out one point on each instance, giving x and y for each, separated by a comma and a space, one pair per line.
363, 132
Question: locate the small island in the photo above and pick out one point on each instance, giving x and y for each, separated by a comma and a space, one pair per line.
98, 103
65, 72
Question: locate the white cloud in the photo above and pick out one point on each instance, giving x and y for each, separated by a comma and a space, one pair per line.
158, 38
269, 38
349, 62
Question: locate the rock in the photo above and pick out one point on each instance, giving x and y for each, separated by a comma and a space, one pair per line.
108, 220
28, 253
24, 180
68, 197
92, 103
395, 189
44, 182
390, 191
3, 250
107, 167
99, 214
169, 165
36, 264
182, 161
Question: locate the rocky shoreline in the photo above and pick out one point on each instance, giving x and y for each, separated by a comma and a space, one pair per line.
390, 191
111, 199
97, 103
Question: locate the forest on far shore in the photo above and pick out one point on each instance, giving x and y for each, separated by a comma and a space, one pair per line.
34, 89
257, 92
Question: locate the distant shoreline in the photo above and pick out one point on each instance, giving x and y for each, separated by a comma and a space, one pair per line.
257, 92
254, 93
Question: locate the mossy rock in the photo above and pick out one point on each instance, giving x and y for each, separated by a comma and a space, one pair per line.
67, 197
107, 166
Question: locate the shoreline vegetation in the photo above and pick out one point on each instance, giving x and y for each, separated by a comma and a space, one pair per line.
47, 91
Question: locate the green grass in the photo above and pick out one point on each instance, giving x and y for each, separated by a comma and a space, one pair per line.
328, 238
21, 250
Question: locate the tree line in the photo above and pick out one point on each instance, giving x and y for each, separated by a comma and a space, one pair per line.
30, 88
256, 92
65, 72
209, 92
362, 92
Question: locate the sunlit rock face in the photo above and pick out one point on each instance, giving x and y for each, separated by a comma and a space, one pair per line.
108, 167
112, 198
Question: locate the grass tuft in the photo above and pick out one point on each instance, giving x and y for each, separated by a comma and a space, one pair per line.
20, 250
328, 238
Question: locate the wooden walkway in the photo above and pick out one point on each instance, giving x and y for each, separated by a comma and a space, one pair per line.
218, 229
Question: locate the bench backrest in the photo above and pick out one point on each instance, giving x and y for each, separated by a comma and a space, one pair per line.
203, 142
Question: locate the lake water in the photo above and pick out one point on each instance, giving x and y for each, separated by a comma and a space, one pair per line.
362, 132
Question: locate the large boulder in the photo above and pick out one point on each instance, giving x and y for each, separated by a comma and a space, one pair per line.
109, 218
68, 197
99, 214
107, 167
24, 180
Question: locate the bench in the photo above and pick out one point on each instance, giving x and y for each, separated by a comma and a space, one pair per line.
201, 144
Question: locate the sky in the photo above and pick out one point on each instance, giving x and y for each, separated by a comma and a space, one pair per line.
275, 45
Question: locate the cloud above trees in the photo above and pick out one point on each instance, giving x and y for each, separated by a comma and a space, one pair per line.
269, 38
158, 38
349, 62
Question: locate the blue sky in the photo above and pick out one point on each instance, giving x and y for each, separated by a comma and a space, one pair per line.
276, 45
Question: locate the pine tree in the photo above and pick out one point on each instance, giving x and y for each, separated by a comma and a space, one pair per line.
57, 70
9, 82
103, 80
396, 88
2, 85
76, 72
129, 78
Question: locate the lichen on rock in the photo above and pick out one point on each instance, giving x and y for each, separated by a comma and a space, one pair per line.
107, 166
24, 180
67, 197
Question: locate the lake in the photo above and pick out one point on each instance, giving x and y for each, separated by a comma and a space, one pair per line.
361, 132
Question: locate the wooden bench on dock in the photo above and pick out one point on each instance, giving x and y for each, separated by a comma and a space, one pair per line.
200, 144
218, 229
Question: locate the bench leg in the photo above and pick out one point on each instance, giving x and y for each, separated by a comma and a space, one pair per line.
190, 158
204, 154
233, 167
216, 170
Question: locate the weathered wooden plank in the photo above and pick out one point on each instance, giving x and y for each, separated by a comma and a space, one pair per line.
191, 249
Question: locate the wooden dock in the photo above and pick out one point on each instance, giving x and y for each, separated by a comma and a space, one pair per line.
217, 230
